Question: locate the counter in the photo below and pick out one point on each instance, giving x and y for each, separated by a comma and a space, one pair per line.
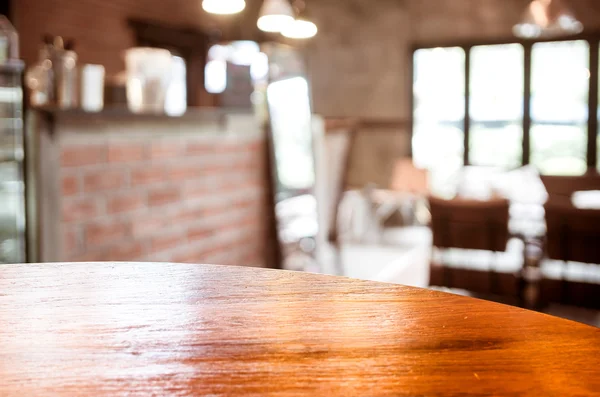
114, 186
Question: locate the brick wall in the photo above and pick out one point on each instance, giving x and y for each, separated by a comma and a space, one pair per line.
133, 195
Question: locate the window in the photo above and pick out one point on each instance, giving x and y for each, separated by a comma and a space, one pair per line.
526, 103
439, 110
560, 78
439, 106
496, 105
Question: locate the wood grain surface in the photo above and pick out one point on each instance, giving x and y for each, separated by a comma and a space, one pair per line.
93, 329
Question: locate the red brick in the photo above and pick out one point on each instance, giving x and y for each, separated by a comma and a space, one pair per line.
227, 147
246, 162
148, 175
187, 215
197, 148
131, 251
256, 259
250, 218
218, 249
101, 233
70, 242
148, 226
86, 257
196, 190
237, 146
243, 147
166, 242
167, 150
256, 146
76, 156
79, 209
215, 169
248, 254
227, 187
218, 258
236, 250
183, 172
126, 202
200, 233
164, 196
98, 181
219, 209
128, 251
70, 185
244, 202
126, 152
188, 257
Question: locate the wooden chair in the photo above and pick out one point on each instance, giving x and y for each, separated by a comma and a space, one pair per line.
573, 235
471, 225
566, 185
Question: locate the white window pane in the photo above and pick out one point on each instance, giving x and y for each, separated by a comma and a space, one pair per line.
437, 145
440, 149
496, 145
559, 107
439, 84
439, 112
560, 81
496, 105
497, 82
559, 149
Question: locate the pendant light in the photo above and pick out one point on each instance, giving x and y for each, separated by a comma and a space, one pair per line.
547, 18
275, 15
301, 28
223, 7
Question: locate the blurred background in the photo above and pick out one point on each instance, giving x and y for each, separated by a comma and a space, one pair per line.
439, 144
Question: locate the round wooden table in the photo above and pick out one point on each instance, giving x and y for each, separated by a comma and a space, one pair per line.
91, 329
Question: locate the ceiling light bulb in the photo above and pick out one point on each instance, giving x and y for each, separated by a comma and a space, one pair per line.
275, 15
300, 29
223, 7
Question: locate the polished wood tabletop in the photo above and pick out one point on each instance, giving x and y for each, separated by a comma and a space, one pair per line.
92, 329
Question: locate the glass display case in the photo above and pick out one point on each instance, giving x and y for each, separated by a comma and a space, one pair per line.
12, 186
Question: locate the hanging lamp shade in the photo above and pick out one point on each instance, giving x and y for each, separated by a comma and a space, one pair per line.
301, 28
547, 18
223, 7
275, 15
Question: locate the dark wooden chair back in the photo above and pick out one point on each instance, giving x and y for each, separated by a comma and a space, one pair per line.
572, 234
567, 185
469, 224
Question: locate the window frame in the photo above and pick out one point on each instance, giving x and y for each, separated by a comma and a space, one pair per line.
593, 40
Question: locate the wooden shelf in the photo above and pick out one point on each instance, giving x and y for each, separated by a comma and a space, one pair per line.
122, 112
